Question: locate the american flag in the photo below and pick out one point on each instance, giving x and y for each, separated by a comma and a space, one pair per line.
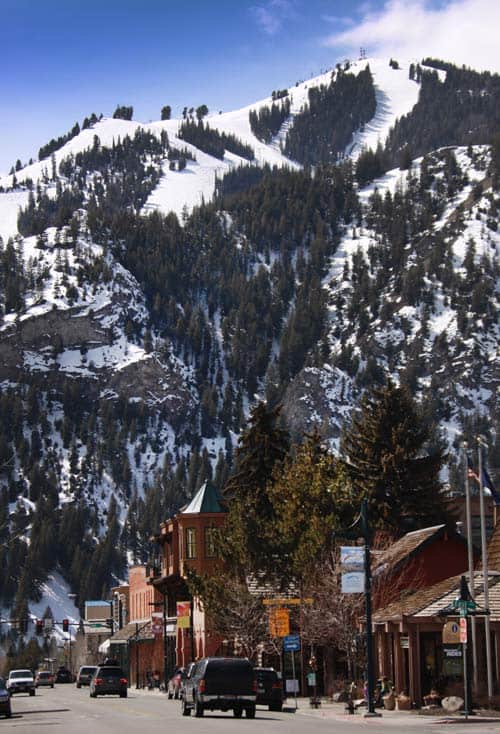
487, 482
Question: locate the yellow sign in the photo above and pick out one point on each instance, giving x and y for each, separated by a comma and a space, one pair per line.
286, 602
279, 622
183, 614
451, 633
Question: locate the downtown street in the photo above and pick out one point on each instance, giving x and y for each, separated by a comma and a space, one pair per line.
65, 708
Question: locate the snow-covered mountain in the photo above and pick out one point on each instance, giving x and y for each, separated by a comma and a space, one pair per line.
151, 290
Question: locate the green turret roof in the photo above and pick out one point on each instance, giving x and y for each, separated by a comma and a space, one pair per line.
207, 499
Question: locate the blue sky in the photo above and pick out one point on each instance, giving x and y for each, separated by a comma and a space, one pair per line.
63, 59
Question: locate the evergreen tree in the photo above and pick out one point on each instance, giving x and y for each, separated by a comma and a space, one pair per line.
261, 451
387, 461
311, 498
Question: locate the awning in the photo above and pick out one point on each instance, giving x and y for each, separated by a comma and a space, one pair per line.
133, 631
104, 646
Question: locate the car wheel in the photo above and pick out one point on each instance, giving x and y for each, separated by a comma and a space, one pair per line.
186, 711
275, 707
198, 709
123, 694
238, 712
250, 712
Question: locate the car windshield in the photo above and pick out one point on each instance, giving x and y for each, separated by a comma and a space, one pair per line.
21, 674
2, 683
87, 671
44, 675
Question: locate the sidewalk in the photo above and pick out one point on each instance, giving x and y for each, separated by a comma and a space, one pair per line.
391, 719
336, 711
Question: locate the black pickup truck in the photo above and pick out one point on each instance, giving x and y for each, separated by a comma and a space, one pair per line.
220, 684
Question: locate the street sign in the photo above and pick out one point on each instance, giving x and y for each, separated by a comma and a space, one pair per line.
291, 643
463, 630
279, 622
294, 601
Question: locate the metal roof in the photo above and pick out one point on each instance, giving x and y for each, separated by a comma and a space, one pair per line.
207, 499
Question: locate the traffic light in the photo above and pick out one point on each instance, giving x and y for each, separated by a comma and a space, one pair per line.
65, 625
39, 626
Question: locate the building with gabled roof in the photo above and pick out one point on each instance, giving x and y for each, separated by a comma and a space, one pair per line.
410, 563
408, 633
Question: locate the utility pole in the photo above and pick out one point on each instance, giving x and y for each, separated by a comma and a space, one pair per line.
366, 533
484, 558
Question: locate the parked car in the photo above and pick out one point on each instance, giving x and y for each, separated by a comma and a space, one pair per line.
84, 675
4, 699
269, 688
187, 673
220, 684
21, 681
44, 678
63, 675
174, 685
108, 679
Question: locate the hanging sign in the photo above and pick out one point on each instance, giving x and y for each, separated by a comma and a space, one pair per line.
353, 582
183, 614
451, 633
157, 624
352, 557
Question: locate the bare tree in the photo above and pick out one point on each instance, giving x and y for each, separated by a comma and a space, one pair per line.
236, 614
333, 619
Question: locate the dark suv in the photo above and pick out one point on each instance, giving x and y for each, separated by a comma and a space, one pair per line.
108, 680
220, 684
269, 688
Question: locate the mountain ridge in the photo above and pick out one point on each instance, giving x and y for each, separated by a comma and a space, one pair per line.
135, 341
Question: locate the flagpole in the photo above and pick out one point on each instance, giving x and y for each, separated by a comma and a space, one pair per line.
484, 554
470, 553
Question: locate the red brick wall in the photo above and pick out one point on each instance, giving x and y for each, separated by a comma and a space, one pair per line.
141, 594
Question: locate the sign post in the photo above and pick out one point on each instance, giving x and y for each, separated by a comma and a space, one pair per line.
291, 643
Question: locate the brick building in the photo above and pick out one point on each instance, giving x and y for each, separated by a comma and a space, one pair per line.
185, 541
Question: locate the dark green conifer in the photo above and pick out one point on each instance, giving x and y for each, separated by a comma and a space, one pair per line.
388, 463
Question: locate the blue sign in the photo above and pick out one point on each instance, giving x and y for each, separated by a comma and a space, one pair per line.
291, 643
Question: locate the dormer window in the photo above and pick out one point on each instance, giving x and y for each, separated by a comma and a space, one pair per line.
190, 542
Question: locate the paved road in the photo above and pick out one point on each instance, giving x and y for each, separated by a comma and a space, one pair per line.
68, 710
